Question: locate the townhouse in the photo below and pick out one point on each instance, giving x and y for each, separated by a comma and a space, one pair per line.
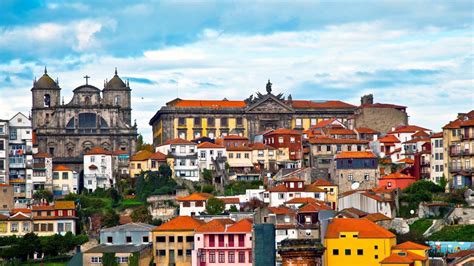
4, 136
65, 181
42, 178
193, 204
127, 234
185, 158
208, 152
289, 147
240, 163
407, 253
17, 222
437, 157
355, 170
98, 171
332, 191
292, 188
58, 218
263, 157
144, 160
396, 181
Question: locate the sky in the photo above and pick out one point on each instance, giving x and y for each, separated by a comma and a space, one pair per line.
413, 53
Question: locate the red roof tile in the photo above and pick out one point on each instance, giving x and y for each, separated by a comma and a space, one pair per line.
437, 135
322, 182
142, 155
230, 200
328, 140
383, 105
216, 225
209, 145
180, 223
356, 155
397, 175
407, 129
238, 148
340, 131
242, 226
61, 168
389, 139
461, 254
364, 227
97, 151
210, 104
260, 146
324, 123
281, 210
406, 160
411, 246
376, 217
366, 130
405, 257
283, 131
314, 207
304, 104
158, 156
195, 197
178, 141
303, 200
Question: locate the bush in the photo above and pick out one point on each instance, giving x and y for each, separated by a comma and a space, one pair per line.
208, 189
214, 206
420, 226
239, 187
463, 233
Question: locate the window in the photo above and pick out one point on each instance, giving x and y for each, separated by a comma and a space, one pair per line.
2, 145
13, 134
212, 256
26, 226
343, 236
241, 240
366, 177
128, 239
246, 155
109, 239
181, 121
335, 252
197, 122
241, 256
221, 240
161, 252
281, 195
231, 240
160, 239
231, 155
211, 122
121, 259
238, 121
231, 257
212, 240
180, 252
347, 252
180, 239
145, 239
171, 239
55, 175
238, 155
189, 239
349, 176
221, 257
188, 252
376, 247
298, 122
313, 121
250, 256
96, 260
292, 139
14, 227
203, 256
65, 175
360, 252
224, 122
376, 256
280, 139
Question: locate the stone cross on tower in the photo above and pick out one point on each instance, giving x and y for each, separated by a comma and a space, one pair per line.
87, 79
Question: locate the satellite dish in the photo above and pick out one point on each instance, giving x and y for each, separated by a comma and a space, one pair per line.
412, 212
355, 185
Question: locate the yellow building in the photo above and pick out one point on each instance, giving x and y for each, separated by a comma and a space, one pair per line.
145, 161
64, 181
173, 241
263, 156
331, 191
407, 254
458, 143
18, 223
354, 242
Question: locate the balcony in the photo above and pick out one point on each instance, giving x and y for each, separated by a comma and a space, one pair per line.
467, 136
17, 165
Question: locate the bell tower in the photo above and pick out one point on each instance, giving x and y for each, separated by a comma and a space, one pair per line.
117, 93
46, 97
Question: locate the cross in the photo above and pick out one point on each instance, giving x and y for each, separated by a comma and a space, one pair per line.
87, 78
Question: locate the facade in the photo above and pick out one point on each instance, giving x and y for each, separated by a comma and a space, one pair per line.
193, 204
332, 191
42, 178
207, 153
58, 218
289, 144
355, 170
127, 234
350, 241
240, 162
92, 118
4, 162
6, 198
20, 149
223, 241
98, 171
17, 222
263, 157
188, 119
437, 157
146, 161
184, 154
369, 201
301, 252
408, 253
396, 181
173, 241
292, 188
458, 143
378, 116
65, 181
123, 253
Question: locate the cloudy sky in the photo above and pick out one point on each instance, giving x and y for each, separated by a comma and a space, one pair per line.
413, 53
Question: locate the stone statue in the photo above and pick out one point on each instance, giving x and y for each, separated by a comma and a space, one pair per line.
269, 87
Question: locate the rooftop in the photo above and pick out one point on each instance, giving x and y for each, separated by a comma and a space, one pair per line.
411, 246
180, 223
117, 248
209, 145
98, 151
129, 227
356, 155
364, 228
195, 197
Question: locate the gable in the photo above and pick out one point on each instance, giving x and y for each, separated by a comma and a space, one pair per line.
269, 104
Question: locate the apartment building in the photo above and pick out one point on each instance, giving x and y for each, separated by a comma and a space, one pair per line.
185, 157
98, 171
4, 136
437, 157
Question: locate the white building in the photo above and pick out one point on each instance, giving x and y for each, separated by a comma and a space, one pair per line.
290, 189
207, 152
20, 153
98, 170
185, 158
4, 151
367, 201
193, 204
437, 157
42, 178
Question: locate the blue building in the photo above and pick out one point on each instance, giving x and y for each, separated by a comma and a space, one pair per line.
131, 233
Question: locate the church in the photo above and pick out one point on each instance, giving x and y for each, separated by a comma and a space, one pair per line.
93, 117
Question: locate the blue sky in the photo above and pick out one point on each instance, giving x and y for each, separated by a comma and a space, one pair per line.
413, 53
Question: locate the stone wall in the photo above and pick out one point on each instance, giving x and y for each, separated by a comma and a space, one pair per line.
380, 119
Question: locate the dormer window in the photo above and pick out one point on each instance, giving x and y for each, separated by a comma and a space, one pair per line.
300, 184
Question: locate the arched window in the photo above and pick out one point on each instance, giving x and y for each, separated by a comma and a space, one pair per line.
47, 100
117, 100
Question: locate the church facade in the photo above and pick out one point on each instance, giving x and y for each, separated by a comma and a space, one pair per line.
93, 117
190, 119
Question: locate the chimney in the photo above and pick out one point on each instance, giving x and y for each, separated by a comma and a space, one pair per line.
367, 99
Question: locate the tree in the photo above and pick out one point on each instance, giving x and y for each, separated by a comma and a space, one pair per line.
207, 175
253, 204
141, 145
43, 195
165, 171
142, 215
233, 209
110, 218
214, 206
443, 182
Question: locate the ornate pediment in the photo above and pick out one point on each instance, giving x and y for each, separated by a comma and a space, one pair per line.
268, 103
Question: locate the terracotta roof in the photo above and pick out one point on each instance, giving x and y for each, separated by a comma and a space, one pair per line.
366, 130
304, 104
324, 123
42, 208
119, 152
142, 155
293, 179
216, 225
180, 223
407, 129
42, 155
313, 207
260, 146
382, 105
3, 217
195, 197
437, 135
214, 104
322, 183
364, 227
313, 188
376, 217
460, 254
158, 156
62, 205
98, 150
453, 124
405, 257
61, 168
375, 196
420, 133
394, 151
389, 139
304, 200
281, 210
467, 123
418, 139
356, 155
235, 137
209, 145
328, 140
230, 200
242, 226
178, 141
278, 188
340, 131
355, 211
283, 131
406, 160
23, 210
238, 148
411, 246
19, 216
397, 175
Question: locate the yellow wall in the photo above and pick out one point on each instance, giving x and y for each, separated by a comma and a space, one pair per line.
331, 197
58, 183
231, 121
367, 245
179, 260
5, 228
416, 251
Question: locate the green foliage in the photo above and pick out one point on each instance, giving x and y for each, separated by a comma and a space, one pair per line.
208, 189
156, 222
420, 226
207, 175
410, 236
420, 191
155, 183
457, 196
134, 259
142, 145
239, 187
43, 195
110, 218
108, 259
463, 233
141, 214
214, 206
443, 181
233, 209
128, 203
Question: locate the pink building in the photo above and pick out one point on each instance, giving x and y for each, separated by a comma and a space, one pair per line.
223, 241
396, 180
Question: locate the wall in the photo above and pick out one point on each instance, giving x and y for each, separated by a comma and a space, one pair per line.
380, 119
